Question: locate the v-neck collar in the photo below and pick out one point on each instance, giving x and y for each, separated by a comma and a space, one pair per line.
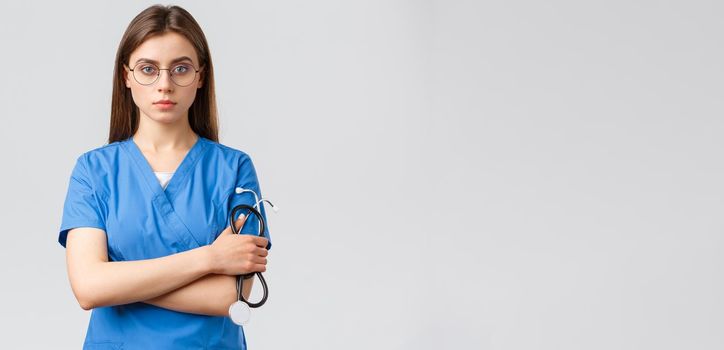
180, 174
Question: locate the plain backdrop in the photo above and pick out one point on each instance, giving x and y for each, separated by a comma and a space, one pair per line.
451, 174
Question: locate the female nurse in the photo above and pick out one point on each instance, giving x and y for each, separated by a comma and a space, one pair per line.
145, 218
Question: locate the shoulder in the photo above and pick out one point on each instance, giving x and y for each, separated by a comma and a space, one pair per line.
225, 153
100, 156
97, 160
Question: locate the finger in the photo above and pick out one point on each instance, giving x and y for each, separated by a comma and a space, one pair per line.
261, 252
259, 260
239, 223
259, 267
261, 241
226, 231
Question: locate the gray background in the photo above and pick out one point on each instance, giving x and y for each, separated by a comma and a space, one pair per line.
451, 174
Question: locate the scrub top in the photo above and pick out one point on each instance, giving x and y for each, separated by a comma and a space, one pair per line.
114, 188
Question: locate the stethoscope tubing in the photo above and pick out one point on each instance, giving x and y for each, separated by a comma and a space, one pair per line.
240, 278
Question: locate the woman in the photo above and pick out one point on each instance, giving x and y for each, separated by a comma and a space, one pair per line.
145, 215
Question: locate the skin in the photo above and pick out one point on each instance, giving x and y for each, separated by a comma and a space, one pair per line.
200, 280
164, 130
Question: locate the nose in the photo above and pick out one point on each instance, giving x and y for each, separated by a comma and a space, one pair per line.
164, 81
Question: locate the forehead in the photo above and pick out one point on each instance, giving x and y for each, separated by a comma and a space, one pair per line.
164, 48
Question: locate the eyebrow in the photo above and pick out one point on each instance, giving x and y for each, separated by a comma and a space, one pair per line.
179, 59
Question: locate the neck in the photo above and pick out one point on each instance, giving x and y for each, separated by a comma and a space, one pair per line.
159, 137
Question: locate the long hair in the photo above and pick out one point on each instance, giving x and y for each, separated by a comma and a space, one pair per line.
157, 20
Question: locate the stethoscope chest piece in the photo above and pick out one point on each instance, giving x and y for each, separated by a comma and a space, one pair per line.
239, 312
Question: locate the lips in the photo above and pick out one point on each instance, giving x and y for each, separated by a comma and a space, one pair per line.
164, 102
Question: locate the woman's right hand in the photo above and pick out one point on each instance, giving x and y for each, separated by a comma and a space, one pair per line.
238, 254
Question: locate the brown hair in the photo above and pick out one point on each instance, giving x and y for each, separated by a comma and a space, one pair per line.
157, 20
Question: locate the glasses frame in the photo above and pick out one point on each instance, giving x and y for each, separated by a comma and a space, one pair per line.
158, 74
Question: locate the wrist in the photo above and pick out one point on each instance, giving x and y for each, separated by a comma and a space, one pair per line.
207, 260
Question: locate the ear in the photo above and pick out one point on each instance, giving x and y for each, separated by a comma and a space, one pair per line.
200, 84
126, 76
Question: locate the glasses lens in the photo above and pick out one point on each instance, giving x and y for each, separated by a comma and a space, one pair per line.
145, 73
183, 74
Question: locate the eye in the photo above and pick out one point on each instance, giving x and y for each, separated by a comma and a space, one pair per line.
181, 69
150, 70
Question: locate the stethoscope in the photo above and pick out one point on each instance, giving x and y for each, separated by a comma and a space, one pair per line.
240, 310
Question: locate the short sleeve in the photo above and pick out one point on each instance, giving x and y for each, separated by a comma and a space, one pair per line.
82, 207
246, 178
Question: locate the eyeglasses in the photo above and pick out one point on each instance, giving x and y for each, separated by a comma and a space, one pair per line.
182, 74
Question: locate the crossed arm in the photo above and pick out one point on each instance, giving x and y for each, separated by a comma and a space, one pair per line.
209, 295
180, 282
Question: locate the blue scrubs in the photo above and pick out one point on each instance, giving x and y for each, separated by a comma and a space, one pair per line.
113, 188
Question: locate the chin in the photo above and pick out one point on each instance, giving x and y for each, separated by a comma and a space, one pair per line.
166, 119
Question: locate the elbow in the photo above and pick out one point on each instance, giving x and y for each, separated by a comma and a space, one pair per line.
226, 301
226, 298
246, 294
85, 297
248, 284
85, 305
94, 299
88, 291
85, 300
